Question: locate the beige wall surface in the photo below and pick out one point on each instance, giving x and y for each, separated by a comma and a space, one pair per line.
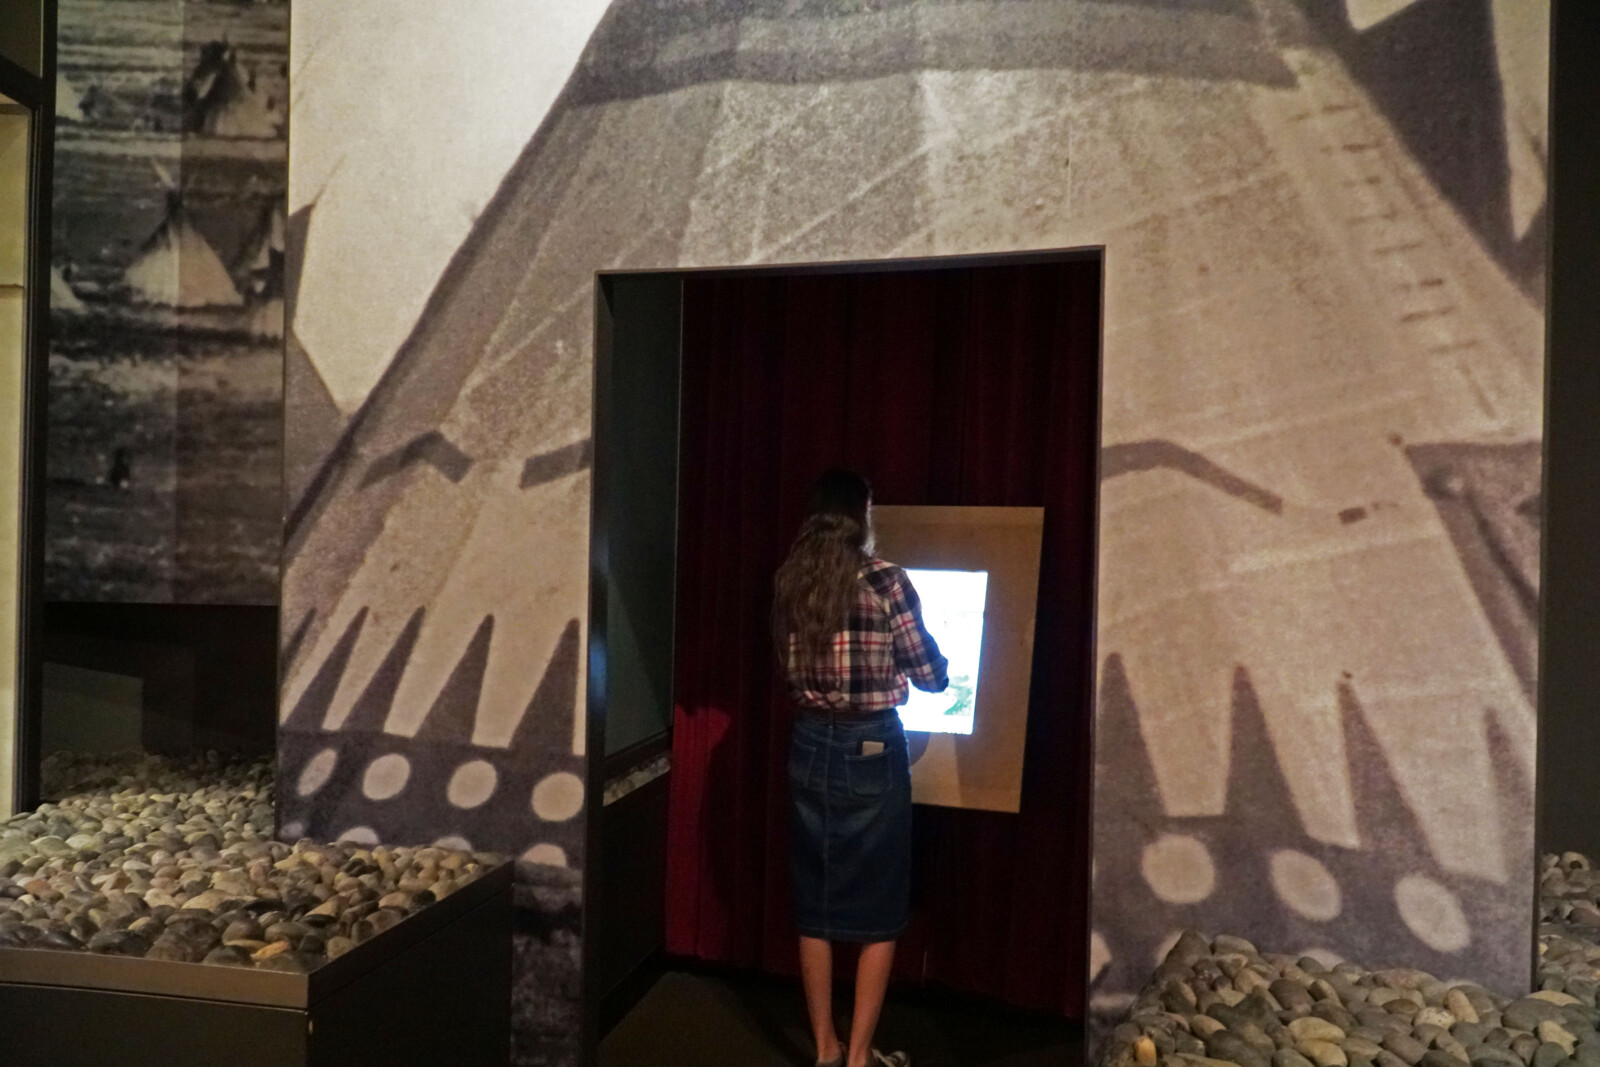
13, 336
1322, 406
13, 195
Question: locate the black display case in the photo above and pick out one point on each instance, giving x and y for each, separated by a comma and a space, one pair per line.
433, 990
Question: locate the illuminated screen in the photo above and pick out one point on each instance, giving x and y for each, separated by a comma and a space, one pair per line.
952, 609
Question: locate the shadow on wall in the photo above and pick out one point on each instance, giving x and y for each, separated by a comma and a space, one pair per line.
1458, 132
1254, 867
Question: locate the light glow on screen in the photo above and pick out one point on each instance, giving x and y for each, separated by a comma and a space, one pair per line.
952, 609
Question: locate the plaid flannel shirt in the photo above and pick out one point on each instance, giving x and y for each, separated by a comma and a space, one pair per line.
869, 664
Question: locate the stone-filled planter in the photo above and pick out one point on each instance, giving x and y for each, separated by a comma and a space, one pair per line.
150, 907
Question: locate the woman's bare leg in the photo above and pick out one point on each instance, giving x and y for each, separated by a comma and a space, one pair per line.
872, 981
816, 973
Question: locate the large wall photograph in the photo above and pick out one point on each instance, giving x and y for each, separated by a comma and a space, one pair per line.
1321, 417
1319, 527
164, 460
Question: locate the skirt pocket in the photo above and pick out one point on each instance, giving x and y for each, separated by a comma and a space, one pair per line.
868, 776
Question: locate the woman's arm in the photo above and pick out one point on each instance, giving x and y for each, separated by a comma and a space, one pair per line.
916, 653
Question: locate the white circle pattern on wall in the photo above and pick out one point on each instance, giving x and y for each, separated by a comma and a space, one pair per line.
1433, 913
386, 776
318, 770
1303, 883
558, 797
472, 784
1179, 869
292, 831
454, 841
549, 855
360, 835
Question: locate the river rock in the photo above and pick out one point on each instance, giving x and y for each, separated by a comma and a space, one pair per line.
1312, 1028
128, 845
1406, 1047
1554, 1033
1556, 997
1322, 1053
1489, 1056
1527, 1013
1548, 1055
1227, 1045
1522, 1046
1360, 1046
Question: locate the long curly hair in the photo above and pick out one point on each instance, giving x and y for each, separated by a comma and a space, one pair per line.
815, 588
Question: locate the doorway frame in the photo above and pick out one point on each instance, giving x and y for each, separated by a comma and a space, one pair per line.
611, 425
37, 93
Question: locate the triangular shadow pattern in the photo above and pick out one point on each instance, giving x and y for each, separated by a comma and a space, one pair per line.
314, 702
371, 709
455, 711
428, 805
1269, 879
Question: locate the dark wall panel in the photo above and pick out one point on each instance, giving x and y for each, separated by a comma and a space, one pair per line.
636, 492
210, 670
1569, 724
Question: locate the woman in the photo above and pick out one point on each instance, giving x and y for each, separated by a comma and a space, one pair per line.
849, 630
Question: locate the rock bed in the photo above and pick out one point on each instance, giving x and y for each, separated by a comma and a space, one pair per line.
1569, 892
150, 857
1224, 1003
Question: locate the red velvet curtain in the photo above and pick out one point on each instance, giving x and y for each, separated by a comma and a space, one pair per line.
970, 386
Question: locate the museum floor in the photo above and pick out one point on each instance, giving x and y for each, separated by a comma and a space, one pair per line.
694, 1019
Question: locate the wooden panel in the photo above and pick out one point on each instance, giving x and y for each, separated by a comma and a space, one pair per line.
981, 770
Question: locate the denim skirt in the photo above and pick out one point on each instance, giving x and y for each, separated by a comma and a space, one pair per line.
850, 825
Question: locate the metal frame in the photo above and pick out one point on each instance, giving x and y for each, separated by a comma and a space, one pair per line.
38, 95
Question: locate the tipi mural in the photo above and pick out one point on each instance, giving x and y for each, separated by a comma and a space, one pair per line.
221, 100
176, 265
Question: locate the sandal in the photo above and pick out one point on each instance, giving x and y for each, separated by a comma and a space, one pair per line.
890, 1059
